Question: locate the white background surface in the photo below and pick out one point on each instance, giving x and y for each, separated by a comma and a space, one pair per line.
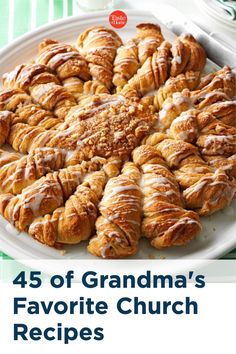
186, 7
212, 330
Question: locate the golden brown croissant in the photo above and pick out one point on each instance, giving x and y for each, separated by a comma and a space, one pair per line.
173, 152
25, 76
148, 39
212, 193
224, 111
34, 115
197, 59
126, 64
224, 79
11, 99
202, 99
26, 111
74, 222
212, 136
118, 227
188, 55
204, 189
227, 164
74, 85
217, 138
188, 125
166, 223
21, 173
189, 80
23, 136
5, 124
44, 195
7, 157
94, 88
114, 131
181, 56
180, 102
172, 107
152, 74
63, 59
43, 86
80, 89
99, 44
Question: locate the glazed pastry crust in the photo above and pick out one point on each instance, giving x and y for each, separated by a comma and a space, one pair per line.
26, 111
119, 226
126, 64
5, 124
44, 195
7, 157
227, 164
189, 80
43, 85
205, 189
223, 79
224, 111
215, 102
188, 55
148, 38
210, 135
21, 173
99, 44
65, 60
75, 221
166, 223
152, 74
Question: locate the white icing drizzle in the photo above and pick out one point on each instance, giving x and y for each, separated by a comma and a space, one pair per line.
40, 194
34, 201
71, 83
146, 43
223, 139
125, 60
177, 156
5, 115
10, 77
198, 186
183, 221
102, 104
159, 180
55, 61
184, 116
218, 143
98, 40
42, 90
103, 250
185, 133
177, 102
177, 59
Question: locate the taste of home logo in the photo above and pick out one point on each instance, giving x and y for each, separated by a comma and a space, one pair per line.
118, 19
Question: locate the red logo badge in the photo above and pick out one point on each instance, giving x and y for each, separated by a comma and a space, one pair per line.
118, 19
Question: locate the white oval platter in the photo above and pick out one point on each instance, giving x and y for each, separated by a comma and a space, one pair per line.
219, 231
